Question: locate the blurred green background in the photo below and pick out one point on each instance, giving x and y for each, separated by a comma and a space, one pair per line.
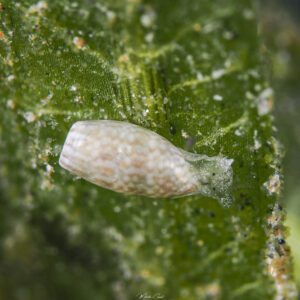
281, 30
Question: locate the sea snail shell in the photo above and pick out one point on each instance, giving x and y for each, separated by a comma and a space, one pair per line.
132, 160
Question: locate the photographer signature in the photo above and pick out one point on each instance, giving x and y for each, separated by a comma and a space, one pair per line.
145, 295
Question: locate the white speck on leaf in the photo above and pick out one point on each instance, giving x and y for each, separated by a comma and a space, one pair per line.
79, 42
248, 14
217, 97
249, 95
148, 18
10, 78
30, 117
11, 104
199, 76
265, 102
184, 133
257, 87
273, 184
38, 8
111, 16
149, 37
217, 73
228, 35
257, 143
238, 132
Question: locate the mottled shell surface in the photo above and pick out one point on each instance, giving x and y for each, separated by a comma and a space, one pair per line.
127, 158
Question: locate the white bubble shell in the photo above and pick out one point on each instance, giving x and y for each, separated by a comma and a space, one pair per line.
132, 160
